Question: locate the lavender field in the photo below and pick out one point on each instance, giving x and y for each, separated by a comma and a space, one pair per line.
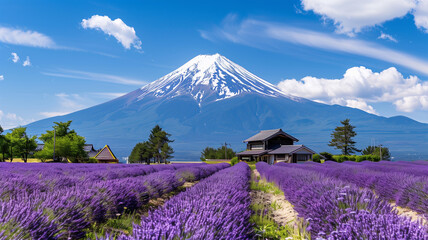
213, 201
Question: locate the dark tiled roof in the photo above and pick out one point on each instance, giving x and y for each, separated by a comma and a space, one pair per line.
287, 149
39, 147
88, 148
252, 152
267, 134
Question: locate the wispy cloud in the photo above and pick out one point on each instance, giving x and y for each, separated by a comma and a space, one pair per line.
350, 16
15, 57
11, 120
72, 102
1, 77
109, 94
387, 37
27, 62
68, 103
25, 38
53, 114
64, 73
123, 33
269, 35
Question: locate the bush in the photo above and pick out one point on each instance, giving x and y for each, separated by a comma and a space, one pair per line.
361, 158
90, 160
354, 158
316, 158
327, 155
234, 161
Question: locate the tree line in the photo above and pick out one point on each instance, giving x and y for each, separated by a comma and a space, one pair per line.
156, 149
68, 144
217, 153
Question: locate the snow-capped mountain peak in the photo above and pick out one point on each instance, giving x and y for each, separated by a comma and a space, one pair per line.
210, 78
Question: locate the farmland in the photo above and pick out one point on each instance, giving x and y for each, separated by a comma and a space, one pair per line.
385, 200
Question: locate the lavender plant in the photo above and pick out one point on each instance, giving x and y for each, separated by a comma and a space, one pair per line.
336, 209
56, 201
215, 208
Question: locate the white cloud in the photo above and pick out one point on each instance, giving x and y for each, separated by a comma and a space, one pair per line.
27, 62
15, 57
53, 114
11, 120
421, 15
109, 95
387, 37
351, 16
68, 103
95, 77
361, 86
1, 77
412, 103
117, 28
25, 38
268, 35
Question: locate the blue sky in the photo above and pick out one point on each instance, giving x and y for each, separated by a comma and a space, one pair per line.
372, 56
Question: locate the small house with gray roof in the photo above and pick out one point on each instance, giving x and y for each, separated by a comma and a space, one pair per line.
273, 146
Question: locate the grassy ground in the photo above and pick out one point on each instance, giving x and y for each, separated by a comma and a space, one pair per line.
265, 227
29, 160
215, 162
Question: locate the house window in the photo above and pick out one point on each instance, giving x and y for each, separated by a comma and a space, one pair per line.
257, 147
302, 157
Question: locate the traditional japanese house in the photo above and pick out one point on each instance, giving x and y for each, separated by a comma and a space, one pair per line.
273, 146
90, 150
106, 156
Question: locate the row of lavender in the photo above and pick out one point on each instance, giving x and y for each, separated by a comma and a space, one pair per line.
38, 209
404, 183
52, 176
336, 209
215, 208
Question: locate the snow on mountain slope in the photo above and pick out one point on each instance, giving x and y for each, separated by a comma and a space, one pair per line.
208, 78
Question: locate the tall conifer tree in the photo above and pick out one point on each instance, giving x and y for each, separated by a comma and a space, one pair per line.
342, 138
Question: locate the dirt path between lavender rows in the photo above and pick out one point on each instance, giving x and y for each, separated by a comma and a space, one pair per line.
283, 213
414, 216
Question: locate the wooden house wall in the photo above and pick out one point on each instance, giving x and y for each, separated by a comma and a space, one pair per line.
277, 141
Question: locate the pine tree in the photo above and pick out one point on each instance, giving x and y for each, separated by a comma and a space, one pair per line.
372, 150
342, 138
157, 139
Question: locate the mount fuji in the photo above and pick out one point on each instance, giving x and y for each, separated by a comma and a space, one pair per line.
211, 100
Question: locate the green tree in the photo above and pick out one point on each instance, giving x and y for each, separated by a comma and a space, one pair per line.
377, 151
3, 145
166, 152
368, 150
225, 153
217, 153
208, 153
157, 148
342, 138
20, 144
157, 139
68, 145
141, 153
